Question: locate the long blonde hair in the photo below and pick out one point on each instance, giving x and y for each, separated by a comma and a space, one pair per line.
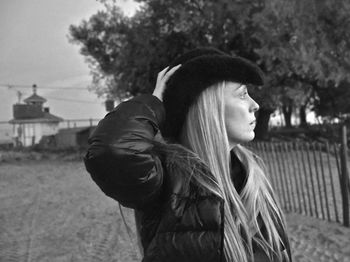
204, 133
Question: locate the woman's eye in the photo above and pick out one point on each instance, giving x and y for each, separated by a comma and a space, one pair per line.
244, 94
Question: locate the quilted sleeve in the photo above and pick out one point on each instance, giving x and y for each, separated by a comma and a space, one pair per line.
119, 158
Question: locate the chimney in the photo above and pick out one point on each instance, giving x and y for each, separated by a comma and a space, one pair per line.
109, 103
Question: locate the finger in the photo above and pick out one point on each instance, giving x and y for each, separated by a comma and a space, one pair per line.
160, 76
171, 71
162, 73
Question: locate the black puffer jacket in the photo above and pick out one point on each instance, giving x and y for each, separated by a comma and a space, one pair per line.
124, 160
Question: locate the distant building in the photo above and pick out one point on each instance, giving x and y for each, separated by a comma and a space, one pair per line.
31, 121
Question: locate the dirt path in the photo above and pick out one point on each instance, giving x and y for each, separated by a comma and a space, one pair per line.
52, 211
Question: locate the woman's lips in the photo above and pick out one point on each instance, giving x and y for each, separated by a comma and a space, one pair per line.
253, 124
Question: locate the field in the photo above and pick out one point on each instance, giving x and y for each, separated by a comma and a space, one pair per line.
51, 210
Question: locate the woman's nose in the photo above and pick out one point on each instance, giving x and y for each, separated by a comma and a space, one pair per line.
254, 106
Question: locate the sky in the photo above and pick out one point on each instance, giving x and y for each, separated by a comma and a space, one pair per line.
34, 49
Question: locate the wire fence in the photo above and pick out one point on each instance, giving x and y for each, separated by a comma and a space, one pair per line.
72, 123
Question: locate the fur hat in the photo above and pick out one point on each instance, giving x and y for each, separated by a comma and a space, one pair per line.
200, 69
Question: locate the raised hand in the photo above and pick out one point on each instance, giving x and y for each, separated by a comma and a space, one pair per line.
162, 78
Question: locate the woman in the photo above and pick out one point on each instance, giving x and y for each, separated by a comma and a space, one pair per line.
175, 157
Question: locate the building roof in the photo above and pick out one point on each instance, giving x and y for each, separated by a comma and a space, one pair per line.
35, 98
49, 118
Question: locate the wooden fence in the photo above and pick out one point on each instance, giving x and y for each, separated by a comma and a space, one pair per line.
308, 177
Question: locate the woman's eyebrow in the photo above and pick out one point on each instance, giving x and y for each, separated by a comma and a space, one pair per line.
240, 86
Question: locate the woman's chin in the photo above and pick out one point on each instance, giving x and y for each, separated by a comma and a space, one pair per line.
244, 139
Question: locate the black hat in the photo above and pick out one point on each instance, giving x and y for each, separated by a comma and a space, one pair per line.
200, 69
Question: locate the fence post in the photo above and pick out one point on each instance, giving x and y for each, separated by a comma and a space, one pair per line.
344, 181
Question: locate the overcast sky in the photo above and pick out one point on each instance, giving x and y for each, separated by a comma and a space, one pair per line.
34, 49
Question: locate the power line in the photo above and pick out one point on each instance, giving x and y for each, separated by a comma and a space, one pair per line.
44, 87
65, 99
73, 100
52, 87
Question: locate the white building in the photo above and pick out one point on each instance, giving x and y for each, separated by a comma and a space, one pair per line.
32, 121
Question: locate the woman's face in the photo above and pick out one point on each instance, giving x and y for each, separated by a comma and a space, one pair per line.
240, 111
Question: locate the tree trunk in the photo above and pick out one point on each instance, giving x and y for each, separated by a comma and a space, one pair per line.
287, 113
262, 123
302, 115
